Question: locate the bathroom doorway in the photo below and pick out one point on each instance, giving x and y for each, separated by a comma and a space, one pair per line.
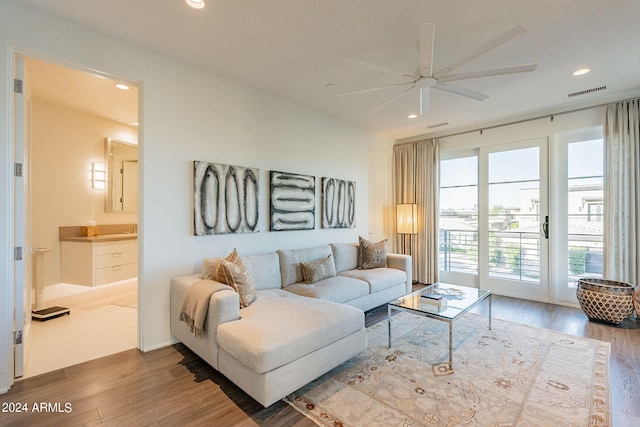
71, 115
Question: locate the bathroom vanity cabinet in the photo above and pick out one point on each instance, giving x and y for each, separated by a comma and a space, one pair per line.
94, 261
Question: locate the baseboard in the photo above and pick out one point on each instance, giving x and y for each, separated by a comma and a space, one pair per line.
156, 341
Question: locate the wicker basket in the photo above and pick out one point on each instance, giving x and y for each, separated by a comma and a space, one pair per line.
636, 300
605, 300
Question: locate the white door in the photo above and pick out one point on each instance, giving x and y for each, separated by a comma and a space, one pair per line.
513, 223
22, 295
579, 205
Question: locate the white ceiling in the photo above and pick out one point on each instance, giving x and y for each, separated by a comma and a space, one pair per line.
300, 50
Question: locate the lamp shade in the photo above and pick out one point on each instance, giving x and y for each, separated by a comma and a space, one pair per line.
406, 218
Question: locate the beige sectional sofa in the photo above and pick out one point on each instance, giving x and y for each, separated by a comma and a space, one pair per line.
293, 332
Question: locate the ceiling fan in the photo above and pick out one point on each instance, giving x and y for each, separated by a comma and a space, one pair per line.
425, 78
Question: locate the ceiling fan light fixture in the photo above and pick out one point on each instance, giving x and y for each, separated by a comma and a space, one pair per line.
196, 4
580, 72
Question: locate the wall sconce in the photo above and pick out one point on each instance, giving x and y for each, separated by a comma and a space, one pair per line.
97, 176
407, 224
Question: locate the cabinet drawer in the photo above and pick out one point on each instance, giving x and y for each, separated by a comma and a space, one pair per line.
103, 248
115, 273
115, 258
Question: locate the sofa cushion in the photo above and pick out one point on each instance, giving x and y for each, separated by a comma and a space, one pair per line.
280, 327
265, 270
314, 271
290, 260
378, 278
372, 255
336, 289
345, 255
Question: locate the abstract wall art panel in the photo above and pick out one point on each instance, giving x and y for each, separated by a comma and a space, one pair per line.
293, 201
338, 203
225, 199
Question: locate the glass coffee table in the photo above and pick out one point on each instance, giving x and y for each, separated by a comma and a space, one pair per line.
460, 299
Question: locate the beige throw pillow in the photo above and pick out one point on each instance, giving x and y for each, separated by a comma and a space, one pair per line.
372, 255
218, 276
314, 271
237, 276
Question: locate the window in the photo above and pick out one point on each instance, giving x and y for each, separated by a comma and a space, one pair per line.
585, 207
459, 215
594, 211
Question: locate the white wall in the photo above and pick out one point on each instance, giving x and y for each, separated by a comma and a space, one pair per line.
64, 144
187, 115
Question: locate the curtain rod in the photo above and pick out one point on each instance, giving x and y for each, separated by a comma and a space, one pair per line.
552, 115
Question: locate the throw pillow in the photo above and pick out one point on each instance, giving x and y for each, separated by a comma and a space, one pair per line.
372, 255
218, 275
237, 276
314, 271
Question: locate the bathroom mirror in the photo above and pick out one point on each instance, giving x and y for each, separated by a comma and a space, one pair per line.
121, 160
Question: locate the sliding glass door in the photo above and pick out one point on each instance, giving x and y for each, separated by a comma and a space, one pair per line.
513, 223
578, 210
524, 219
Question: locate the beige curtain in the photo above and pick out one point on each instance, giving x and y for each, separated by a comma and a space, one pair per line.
416, 179
622, 192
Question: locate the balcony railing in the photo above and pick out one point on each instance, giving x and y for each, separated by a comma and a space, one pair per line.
459, 251
516, 255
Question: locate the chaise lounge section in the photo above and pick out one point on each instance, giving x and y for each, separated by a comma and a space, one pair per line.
293, 331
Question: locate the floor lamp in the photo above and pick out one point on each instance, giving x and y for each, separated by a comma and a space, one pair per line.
407, 224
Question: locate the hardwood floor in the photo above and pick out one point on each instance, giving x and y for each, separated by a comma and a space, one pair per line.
173, 387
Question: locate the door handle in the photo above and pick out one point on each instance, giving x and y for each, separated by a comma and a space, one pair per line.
545, 227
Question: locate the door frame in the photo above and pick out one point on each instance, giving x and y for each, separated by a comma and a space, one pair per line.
14, 214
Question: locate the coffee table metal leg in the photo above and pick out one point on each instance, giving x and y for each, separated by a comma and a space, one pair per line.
389, 323
490, 298
450, 345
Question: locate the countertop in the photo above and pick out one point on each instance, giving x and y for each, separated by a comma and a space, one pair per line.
101, 238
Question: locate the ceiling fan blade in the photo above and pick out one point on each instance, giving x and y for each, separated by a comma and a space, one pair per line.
501, 39
424, 100
390, 100
487, 73
374, 67
372, 89
462, 91
427, 36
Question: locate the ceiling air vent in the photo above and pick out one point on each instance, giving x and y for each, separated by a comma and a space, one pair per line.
438, 125
588, 91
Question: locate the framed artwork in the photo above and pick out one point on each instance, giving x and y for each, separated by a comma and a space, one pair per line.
293, 201
225, 198
338, 203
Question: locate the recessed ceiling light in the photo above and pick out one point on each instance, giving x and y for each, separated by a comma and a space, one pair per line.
412, 116
196, 4
581, 71
122, 86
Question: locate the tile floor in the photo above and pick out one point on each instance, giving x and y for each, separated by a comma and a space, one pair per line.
98, 325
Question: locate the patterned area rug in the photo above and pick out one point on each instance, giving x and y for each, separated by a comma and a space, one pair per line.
513, 375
